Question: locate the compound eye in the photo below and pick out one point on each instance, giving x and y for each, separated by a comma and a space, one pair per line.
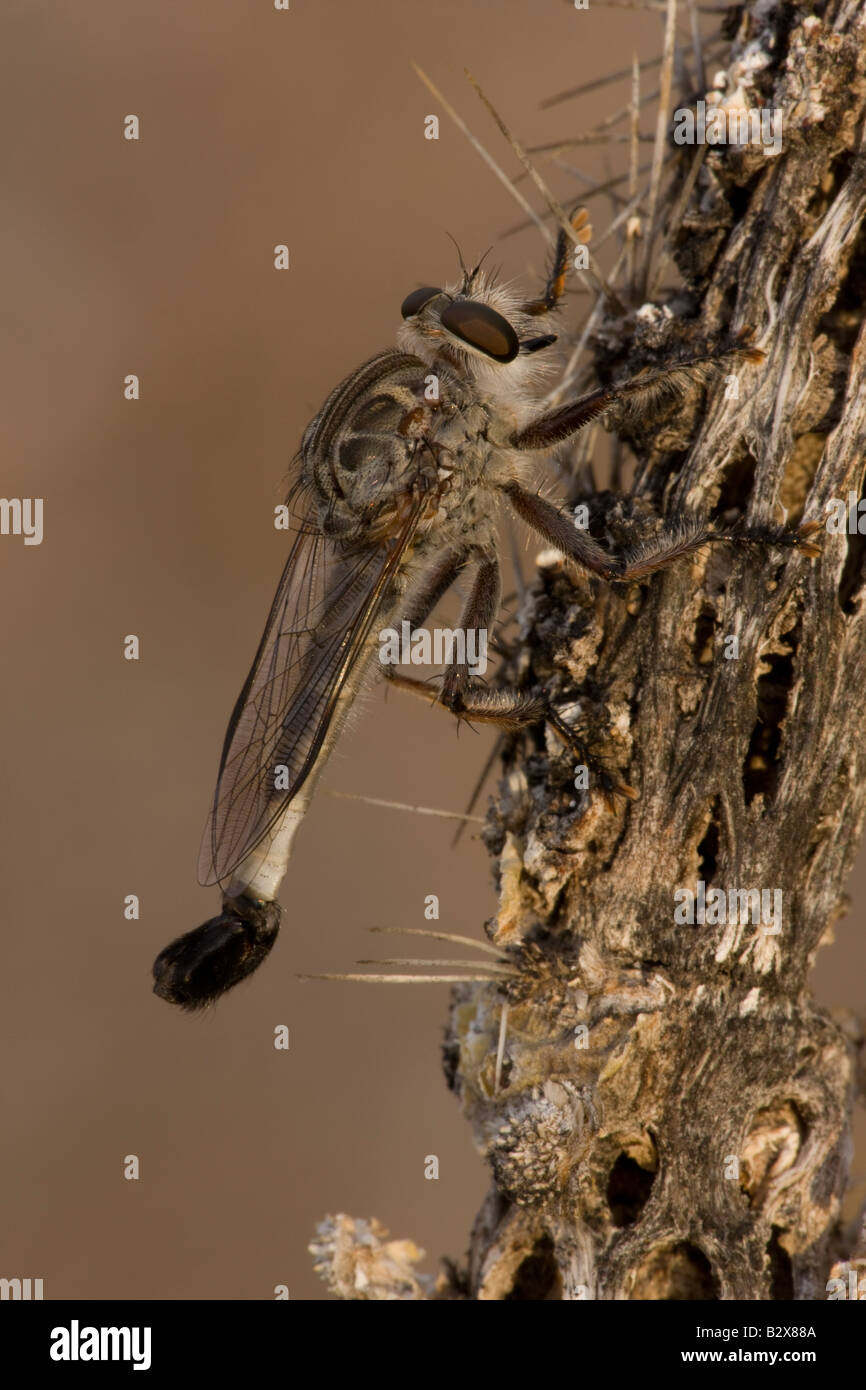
482, 328
414, 302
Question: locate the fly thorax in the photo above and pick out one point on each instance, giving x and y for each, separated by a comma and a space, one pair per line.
368, 448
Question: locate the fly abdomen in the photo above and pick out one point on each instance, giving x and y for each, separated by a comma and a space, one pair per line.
197, 968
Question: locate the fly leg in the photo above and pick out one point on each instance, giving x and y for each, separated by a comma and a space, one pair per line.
680, 536
512, 710
687, 535
555, 288
420, 603
476, 621
634, 397
509, 709
435, 582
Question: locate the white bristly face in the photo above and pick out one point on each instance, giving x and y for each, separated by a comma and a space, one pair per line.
479, 329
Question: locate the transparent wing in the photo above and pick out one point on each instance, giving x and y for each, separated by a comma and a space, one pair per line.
319, 621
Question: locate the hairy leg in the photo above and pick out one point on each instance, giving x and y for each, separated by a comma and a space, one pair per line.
509, 709
636, 395
676, 538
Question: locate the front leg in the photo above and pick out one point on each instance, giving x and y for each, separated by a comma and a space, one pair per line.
634, 396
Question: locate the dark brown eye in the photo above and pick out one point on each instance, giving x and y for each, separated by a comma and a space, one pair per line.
414, 302
482, 328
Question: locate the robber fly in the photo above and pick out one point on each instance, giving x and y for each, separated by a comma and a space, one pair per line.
400, 475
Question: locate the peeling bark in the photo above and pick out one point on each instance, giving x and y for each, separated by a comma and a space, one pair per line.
671, 1119
698, 1145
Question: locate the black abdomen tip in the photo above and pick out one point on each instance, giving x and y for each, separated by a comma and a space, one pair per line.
198, 967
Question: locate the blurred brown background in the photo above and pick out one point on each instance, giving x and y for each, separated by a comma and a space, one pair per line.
156, 257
